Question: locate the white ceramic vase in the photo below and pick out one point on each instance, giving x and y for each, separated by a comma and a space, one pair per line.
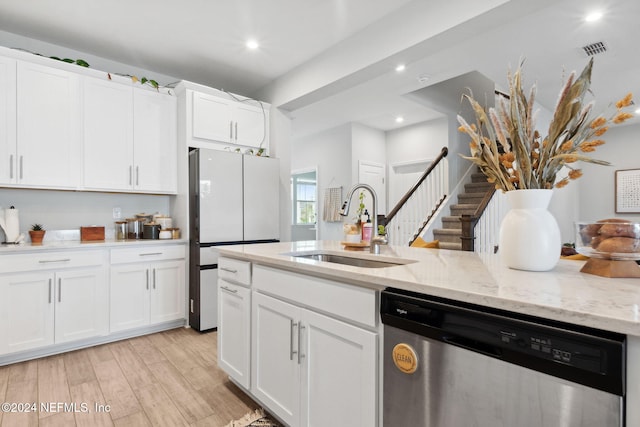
529, 234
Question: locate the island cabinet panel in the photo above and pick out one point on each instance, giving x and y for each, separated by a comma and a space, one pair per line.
234, 331
309, 367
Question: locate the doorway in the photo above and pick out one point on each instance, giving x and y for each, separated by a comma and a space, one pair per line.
304, 192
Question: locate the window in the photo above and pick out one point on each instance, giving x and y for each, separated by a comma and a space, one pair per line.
304, 198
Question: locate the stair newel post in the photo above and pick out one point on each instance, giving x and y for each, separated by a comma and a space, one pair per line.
468, 225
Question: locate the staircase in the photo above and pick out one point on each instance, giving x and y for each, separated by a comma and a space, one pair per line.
468, 202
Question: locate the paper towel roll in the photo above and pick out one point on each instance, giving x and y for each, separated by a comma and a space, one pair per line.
12, 230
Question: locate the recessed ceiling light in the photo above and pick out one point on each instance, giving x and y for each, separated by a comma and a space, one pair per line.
593, 16
399, 119
400, 68
252, 44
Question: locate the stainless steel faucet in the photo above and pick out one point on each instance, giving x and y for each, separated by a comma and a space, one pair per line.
376, 240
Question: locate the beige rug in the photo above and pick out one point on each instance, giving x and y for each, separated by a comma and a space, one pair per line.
257, 418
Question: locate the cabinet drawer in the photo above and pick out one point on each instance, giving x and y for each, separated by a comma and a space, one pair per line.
235, 270
53, 260
349, 302
147, 253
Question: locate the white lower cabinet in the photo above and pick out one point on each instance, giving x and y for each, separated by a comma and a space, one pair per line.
52, 307
310, 369
234, 334
146, 292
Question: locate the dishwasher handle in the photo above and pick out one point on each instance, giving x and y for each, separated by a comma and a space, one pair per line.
473, 345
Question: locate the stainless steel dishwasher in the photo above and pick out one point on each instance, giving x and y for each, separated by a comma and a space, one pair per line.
451, 364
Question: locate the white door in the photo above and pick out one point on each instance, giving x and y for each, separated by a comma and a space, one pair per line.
220, 196
261, 198
48, 126
234, 337
211, 118
81, 304
339, 373
129, 296
167, 291
29, 310
373, 174
275, 367
250, 125
155, 142
108, 135
8, 155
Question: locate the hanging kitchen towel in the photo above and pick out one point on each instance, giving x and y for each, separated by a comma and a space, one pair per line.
332, 204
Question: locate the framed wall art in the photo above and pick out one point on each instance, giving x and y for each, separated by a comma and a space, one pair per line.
628, 191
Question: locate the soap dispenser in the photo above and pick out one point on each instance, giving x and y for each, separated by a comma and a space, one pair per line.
367, 227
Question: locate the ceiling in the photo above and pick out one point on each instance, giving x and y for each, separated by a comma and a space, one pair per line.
203, 41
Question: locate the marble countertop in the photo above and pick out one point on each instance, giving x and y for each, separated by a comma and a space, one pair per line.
6, 249
563, 294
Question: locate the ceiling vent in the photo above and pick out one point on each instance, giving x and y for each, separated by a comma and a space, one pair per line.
594, 48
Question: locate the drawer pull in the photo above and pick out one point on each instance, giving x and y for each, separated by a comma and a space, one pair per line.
229, 270
154, 278
233, 291
151, 253
291, 350
147, 279
300, 355
49, 291
59, 289
46, 261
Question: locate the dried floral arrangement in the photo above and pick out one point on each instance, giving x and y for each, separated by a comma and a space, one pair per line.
512, 154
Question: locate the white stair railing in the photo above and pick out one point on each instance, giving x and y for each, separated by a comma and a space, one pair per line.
408, 218
487, 230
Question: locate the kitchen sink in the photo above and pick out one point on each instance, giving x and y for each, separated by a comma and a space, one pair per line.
345, 260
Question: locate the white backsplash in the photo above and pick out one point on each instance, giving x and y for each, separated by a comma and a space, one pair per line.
62, 213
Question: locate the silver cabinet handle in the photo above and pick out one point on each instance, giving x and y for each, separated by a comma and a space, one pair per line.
49, 291
147, 278
150, 253
230, 129
137, 175
46, 261
229, 270
233, 291
130, 175
21, 166
291, 350
300, 355
236, 131
154, 278
59, 289
11, 166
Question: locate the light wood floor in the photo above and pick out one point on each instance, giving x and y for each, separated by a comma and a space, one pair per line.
165, 379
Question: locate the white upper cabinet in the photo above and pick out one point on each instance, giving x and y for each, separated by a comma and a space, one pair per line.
8, 156
155, 142
108, 135
224, 120
130, 140
48, 127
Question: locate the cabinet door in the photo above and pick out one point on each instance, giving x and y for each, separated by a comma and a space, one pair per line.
339, 373
155, 142
48, 127
234, 338
129, 296
212, 118
108, 135
8, 155
29, 311
251, 125
81, 304
167, 291
275, 366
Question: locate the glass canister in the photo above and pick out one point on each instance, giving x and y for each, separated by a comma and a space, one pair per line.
121, 230
134, 228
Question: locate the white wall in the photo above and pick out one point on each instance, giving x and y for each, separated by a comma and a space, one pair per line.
67, 210
330, 153
597, 185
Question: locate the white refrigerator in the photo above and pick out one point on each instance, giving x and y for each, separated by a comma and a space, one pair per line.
234, 199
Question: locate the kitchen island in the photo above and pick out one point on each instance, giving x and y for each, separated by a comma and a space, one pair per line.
563, 294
